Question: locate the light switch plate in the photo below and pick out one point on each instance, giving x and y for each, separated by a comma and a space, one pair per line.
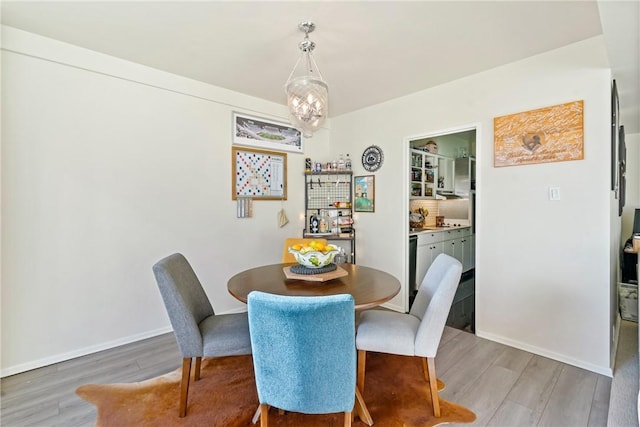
554, 193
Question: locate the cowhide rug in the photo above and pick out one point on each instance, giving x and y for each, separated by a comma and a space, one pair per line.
395, 393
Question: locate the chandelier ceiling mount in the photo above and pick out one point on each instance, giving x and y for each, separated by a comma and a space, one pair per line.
307, 92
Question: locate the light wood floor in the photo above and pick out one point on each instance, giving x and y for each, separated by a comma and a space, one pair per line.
502, 385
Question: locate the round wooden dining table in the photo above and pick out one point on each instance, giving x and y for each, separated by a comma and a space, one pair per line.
368, 286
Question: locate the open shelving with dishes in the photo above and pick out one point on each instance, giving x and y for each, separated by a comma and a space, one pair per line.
430, 174
329, 209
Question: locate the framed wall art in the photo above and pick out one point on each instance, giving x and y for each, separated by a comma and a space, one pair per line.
622, 170
259, 174
551, 134
265, 134
364, 191
615, 123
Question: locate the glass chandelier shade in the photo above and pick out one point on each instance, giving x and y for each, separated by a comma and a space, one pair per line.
307, 93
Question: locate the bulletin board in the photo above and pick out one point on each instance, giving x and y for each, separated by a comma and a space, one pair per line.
259, 174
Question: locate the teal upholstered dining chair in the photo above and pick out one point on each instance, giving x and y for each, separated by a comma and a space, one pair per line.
304, 353
198, 330
417, 333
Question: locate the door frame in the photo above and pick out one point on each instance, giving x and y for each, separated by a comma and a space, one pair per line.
406, 172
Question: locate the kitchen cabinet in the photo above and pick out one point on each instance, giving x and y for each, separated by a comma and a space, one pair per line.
423, 174
329, 209
430, 174
454, 248
457, 243
446, 174
429, 247
468, 252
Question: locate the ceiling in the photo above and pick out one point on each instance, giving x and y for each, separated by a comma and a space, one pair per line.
367, 51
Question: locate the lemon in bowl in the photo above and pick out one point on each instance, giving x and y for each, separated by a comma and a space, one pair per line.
315, 254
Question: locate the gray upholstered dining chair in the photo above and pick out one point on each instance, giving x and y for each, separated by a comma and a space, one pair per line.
198, 330
417, 333
304, 353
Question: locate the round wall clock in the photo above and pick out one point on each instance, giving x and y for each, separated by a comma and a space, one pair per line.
372, 158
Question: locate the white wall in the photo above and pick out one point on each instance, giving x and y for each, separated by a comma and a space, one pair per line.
632, 202
543, 269
108, 166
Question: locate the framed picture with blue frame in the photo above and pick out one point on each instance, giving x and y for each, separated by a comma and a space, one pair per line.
364, 191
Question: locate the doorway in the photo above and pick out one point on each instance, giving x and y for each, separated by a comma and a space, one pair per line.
441, 170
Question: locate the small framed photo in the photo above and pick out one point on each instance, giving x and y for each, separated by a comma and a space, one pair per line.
364, 190
265, 134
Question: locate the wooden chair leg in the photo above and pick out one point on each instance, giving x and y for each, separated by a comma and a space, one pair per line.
433, 385
264, 415
362, 361
426, 374
256, 416
184, 386
196, 375
347, 419
425, 369
361, 409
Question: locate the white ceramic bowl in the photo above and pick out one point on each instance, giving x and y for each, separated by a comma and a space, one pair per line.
315, 259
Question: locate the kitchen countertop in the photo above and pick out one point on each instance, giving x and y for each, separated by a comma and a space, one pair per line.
434, 229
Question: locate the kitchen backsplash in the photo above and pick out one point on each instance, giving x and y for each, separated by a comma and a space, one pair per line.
430, 205
450, 209
454, 209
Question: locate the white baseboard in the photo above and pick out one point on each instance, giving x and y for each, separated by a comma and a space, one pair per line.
616, 339
16, 369
603, 370
28, 366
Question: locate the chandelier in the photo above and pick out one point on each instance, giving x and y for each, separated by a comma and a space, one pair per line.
307, 93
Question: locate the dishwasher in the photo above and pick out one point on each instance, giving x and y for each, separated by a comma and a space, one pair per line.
413, 251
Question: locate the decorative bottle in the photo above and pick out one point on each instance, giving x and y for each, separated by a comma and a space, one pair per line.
347, 163
341, 163
323, 222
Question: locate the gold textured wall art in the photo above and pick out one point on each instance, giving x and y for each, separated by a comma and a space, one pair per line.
550, 134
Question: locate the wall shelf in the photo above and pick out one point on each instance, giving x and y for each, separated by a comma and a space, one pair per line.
329, 209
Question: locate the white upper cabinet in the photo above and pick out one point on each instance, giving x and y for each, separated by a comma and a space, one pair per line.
430, 174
